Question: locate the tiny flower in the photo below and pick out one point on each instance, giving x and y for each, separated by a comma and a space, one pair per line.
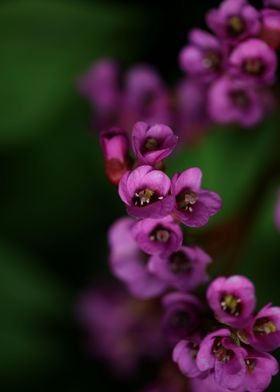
277, 211
129, 264
218, 352
203, 57
260, 367
181, 317
254, 61
115, 147
234, 101
232, 300
145, 97
234, 21
271, 27
155, 236
152, 144
146, 192
194, 206
264, 331
184, 269
100, 85
184, 354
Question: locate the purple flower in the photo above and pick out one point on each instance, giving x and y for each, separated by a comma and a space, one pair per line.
115, 147
152, 144
156, 236
232, 300
264, 331
277, 211
220, 354
234, 21
194, 206
119, 329
203, 57
234, 101
272, 4
146, 192
129, 264
260, 367
271, 27
209, 385
184, 269
184, 354
254, 61
181, 318
145, 98
101, 86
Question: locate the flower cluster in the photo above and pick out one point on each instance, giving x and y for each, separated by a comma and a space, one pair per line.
147, 251
236, 61
232, 356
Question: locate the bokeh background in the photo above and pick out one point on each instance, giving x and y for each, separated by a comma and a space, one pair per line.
55, 204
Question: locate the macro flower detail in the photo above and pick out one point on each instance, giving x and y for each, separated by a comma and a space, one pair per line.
232, 300
274, 4
203, 57
271, 27
264, 330
231, 100
181, 316
184, 269
184, 354
194, 206
255, 61
146, 192
156, 236
234, 20
115, 147
129, 263
152, 144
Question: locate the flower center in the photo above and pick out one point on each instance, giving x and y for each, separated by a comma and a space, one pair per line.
194, 347
145, 197
151, 144
212, 60
264, 326
160, 234
231, 305
179, 263
186, 200
240, 98
250, 364
254, 66
235, 26
221, 353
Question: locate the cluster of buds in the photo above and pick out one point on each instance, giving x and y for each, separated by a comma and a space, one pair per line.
237, 62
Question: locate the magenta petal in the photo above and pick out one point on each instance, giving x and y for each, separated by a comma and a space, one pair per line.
190, 179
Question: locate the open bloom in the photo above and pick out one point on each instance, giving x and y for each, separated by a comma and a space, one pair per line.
254, 61
234, 21
152, 144
232, 300
264, 331
218, 353
184, 269
184, 354
129, 263
181, 317
145, 97
115, 147
260, 367
234, 101
146, 192
155, 236
194, 206
203, 57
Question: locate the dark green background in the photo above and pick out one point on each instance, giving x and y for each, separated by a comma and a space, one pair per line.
56, 206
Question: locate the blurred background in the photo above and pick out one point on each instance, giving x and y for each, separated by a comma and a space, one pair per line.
55, 203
